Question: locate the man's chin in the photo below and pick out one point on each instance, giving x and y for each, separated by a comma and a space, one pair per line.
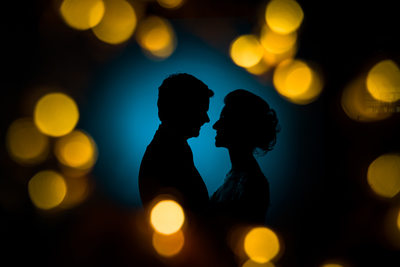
194, 133
217, 143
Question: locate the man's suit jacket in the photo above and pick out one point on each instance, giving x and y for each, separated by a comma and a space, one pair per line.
167, 168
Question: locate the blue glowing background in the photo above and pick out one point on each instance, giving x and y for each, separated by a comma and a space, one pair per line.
122, 117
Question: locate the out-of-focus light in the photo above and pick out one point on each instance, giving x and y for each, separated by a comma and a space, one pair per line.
260, 68
261, 244
383, 81
118, 23
78, 191
297, 82
332, 265
250, 263
277, 43
398, 220
47, 189
384, 175
156, 36
391, 226
56, 114
274, 59
170, 3
82, 15
167, 217
168, 245
284, 16
359, 105
246, 51
76, 150
25, 143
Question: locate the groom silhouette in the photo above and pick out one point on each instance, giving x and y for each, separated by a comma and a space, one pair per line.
167, 166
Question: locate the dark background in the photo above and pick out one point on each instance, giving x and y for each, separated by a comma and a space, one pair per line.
333, 216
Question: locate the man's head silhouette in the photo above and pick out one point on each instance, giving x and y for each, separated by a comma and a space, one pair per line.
183, 102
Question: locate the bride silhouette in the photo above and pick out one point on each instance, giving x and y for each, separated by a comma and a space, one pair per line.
247, 126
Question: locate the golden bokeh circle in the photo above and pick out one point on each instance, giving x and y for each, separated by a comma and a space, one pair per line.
284, 16
82, 15
261, 244
167, 217
25, 143
56, 114
383, 175
47, 189
246, 51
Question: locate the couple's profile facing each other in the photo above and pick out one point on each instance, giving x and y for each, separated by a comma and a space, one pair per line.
247, 124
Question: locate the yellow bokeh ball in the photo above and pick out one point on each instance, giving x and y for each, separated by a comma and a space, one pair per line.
168, 245
56, 114
170, 3
47, 189
250, 263
277, 43
284, 16
25, 143
261, 244
398, 220
82, 15
292, 78
167, 217
383, 81
156, 36
359, 105
76, 150
384, 175
118, 23
246, 51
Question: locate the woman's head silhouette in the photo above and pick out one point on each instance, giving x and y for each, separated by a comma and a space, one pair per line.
247, 123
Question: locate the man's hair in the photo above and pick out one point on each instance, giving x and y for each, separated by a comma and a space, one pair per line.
180, 92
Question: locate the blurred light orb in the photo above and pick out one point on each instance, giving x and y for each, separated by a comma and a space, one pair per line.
76, 150
284, 16
274, 59
398, 220
167, 217
82, 15
297, 82
47, 189
383, 81
260, 68
25, 143
332, 265
261, 244
246, 51
250, 263
118, 23
170, 3
384, 175
277, 43
56, 114
359, 105
156, 36
168, 245
78, 191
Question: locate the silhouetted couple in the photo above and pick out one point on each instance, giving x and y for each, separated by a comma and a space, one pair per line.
246, 125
